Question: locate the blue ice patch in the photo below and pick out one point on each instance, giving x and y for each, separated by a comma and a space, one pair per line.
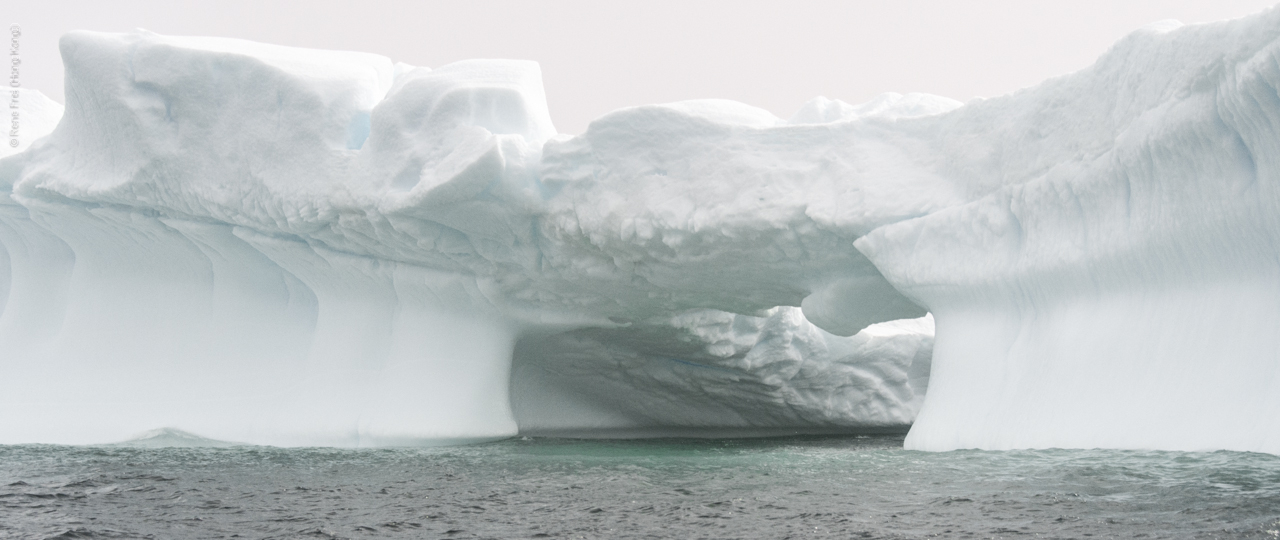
358, 130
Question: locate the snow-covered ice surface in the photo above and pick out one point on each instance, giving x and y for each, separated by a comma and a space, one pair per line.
271, 245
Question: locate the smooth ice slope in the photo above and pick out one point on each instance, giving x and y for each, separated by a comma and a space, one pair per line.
37, 115
269, 245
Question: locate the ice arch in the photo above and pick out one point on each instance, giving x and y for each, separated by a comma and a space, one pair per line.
274, 245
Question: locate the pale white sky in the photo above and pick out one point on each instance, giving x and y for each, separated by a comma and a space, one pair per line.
598, 56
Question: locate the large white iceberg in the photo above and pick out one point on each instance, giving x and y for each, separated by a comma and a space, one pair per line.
283, 246
1123, 289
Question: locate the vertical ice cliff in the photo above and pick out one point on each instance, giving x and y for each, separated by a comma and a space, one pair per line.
1126, 294
180, 244
273, 245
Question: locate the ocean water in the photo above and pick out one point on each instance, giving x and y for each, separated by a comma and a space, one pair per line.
803, 487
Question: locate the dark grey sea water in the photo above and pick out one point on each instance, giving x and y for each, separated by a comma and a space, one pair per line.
818, 487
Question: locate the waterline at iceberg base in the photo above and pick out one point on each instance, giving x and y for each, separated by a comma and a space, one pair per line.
282, 246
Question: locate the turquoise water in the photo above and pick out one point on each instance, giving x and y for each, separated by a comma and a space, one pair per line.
807, 487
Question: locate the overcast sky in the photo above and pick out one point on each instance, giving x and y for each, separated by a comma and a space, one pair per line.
598, 56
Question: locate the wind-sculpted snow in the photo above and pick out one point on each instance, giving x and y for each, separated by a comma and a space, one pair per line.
271, 245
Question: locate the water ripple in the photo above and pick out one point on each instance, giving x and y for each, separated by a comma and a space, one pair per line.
814, 487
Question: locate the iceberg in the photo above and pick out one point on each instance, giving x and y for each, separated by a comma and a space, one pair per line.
1122, 292
255, 243
279, 246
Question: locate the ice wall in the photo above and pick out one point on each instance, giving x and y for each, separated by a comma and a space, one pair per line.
273, 245
168, 267
1130, 296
